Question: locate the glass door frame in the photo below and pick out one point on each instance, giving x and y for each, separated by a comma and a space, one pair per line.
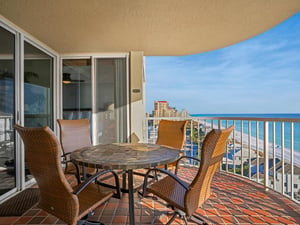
19, 41
55, 97
16, 79
93, 90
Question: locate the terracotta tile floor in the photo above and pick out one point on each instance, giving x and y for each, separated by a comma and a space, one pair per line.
234, 201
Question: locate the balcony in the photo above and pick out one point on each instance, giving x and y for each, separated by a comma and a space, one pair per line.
267, 159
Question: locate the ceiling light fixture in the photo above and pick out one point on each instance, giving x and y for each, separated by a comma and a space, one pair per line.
66, 78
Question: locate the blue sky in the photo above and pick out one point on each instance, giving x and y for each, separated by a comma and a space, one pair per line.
259, 75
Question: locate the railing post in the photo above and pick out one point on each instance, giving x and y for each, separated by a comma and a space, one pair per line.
191, 138
292, 159
199, 136
146, 130
226, 166
266, 155
249, 149
257, 151
234, 146
282, 158
274, 155
242, 149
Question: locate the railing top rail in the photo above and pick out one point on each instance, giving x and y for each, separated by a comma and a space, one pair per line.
296, 120
169, 118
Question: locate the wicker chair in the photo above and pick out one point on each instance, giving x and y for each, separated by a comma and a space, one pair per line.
74, 134
57, 197
185, 197
171, 133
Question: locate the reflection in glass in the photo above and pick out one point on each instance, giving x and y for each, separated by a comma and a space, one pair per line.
77, 89
38, 82
111, 100
38, 88
7, 102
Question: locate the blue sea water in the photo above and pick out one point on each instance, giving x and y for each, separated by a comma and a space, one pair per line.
278, 130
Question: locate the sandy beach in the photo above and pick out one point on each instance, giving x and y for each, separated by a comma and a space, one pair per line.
258, 145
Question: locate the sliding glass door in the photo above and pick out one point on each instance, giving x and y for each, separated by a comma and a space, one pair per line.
99, 95
7, 111
111, 100
26, 98
38, 90
38, 87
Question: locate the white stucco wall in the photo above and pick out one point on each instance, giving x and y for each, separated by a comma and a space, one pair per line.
137, 92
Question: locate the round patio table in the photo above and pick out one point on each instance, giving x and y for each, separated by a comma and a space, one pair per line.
125, 156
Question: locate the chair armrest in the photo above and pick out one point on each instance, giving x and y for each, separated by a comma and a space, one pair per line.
173, 176
184, 157
65, 158
65, 155
94, 177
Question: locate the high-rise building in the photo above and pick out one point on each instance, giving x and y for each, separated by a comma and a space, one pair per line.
162, 109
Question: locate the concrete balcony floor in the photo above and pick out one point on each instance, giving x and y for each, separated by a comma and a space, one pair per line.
234, 201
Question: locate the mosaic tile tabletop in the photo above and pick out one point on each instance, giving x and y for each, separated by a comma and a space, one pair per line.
124, 156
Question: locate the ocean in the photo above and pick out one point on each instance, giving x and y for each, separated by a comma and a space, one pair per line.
278, 133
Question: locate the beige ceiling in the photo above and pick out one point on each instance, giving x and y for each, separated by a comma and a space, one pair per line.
157, 27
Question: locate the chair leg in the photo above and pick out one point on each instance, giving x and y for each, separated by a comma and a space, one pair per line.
153, 222
172, 219
85, 222
185, 220
93, 223
198, 220
182, 215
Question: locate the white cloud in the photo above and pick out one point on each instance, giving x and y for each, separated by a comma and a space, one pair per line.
260, 75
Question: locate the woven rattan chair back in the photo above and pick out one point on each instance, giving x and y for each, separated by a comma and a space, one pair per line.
171, 133
42, 152
212, 153
74, 134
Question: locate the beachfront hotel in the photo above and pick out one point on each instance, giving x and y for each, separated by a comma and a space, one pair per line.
162, 109
85, 59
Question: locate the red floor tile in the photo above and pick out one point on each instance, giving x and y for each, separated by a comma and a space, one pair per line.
234, 201
8, 220
23, 220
